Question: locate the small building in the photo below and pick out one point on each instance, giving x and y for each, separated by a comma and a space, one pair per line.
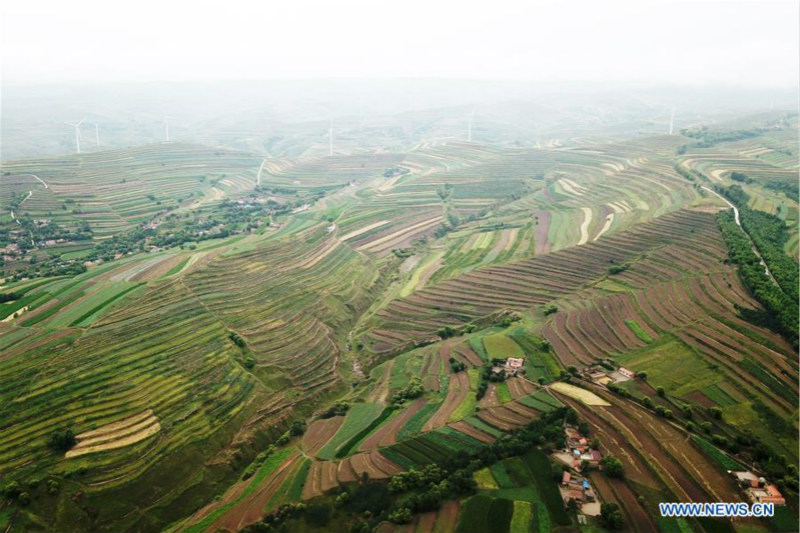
630, 374
514, 365
768, 494
758, 489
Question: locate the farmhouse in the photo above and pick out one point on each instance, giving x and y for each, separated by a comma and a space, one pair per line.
758, 489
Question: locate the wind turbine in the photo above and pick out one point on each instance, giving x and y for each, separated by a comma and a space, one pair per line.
469, 130
166, 128
77, 127
96, 133
330, 139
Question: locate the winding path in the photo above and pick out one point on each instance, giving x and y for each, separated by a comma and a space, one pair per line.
739, 223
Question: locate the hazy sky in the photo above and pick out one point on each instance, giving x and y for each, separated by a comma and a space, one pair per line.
733, 42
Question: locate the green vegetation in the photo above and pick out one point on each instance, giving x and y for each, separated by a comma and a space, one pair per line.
640, 333
712, 451
783, 311
359, 417
521, 519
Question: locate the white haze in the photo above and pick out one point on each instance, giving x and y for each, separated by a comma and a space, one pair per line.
683, 43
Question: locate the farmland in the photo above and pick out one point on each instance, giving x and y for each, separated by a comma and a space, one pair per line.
199, 337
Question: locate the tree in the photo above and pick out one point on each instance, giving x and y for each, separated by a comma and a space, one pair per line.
715, 412
612, 466
400, 516
62, 440
611, 516
53, 487
660, 391
12, 490
318, 515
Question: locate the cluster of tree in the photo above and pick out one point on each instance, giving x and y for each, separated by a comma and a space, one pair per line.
445, 191
449, 331
549, 309
413, 390
8, 297
769, 234
684, 172
275, 521
489, 376
297, 428
741, 177
617, 269
781, 308
39, 231
708, 138
62, 440
457, 366
790, 188
237, 339
14, 492
611, 516
337, 409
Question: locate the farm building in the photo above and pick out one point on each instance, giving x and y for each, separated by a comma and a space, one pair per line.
630, 374
601, 378
512, 367
758, 489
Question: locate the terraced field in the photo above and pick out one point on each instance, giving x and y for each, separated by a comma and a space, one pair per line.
114, 190
349, 337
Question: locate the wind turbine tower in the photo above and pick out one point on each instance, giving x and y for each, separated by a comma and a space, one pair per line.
96, 133
469, 129
166, 128
330, 140
671, 119
77, 127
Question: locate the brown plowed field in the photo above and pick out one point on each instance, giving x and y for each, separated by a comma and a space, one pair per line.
319, 432
457, 391
472, 431
386, 434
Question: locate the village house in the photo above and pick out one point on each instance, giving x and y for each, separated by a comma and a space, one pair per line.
577, 452
578, 489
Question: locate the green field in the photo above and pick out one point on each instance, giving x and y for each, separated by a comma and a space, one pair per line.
358, 418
